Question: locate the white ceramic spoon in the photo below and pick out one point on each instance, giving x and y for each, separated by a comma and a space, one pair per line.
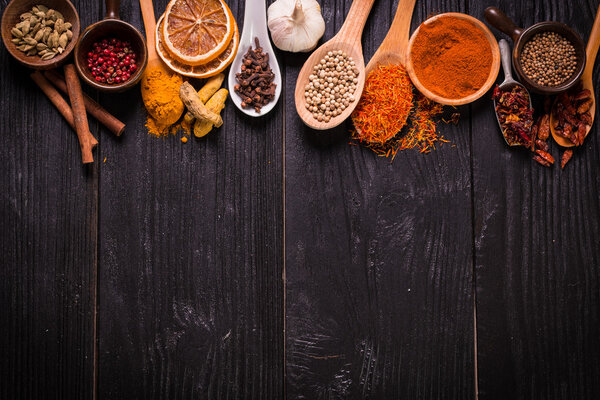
255, 25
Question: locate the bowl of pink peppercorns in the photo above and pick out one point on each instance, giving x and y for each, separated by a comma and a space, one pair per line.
111, 55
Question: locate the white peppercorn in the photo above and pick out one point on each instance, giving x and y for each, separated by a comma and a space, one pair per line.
331, 86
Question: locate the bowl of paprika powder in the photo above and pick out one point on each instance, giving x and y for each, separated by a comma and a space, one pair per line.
453, 59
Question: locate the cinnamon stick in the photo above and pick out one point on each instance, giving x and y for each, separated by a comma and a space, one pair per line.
92, 107
79, 115
55, 98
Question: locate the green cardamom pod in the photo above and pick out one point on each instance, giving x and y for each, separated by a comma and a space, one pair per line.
47, 32
25, 16
36, 28
41, 46
63, 40
68, 25
30, 41
16, 32
16, 40
39, 35
42, 7
26, 27
48, 56
32, 52
58, 27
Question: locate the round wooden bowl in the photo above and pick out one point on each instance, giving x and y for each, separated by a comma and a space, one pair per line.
11, 17
520, 37
493, 70
111, 26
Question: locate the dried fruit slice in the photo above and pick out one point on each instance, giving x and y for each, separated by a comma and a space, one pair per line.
209, 69
197, 31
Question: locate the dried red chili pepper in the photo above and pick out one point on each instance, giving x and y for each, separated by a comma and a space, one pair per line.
572, 115
565, 158
541, 161
545, 156
515, 115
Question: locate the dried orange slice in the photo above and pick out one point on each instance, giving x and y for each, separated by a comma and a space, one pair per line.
197, 31
202, 71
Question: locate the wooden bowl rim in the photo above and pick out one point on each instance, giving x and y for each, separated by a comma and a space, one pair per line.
81, 69
34, 61
494, 70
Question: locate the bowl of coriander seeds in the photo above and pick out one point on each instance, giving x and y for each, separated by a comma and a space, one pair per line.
40, 34
549, 57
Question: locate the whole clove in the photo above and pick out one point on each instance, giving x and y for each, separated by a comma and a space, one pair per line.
255, 81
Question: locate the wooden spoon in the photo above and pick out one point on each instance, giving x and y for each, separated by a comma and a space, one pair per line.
586, 78
347, 40
154, 62
395, 44
393, 48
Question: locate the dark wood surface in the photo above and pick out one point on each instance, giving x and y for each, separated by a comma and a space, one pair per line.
269, 261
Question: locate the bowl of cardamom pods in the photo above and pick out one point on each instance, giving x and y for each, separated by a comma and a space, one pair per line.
40, 35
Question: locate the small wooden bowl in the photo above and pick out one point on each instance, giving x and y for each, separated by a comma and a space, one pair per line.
521, 36
111, 26
493, 70
10, 18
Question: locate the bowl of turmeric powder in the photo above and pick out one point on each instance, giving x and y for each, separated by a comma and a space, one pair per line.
453, 59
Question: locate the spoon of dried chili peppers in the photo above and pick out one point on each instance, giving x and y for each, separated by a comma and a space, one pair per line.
512, 104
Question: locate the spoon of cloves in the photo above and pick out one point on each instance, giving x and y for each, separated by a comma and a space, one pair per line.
255, 27
508, 84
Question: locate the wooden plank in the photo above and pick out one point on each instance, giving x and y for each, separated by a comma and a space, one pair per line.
378, 255
48, 239
537, 229
190, 285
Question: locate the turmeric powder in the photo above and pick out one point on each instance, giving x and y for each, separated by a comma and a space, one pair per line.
160, 92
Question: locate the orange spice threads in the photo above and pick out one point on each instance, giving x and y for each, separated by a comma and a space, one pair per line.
423, 134
385, 105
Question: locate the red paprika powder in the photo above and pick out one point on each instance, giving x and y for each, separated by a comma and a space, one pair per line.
451, 57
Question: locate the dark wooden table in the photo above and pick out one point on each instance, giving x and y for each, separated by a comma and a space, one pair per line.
269, 261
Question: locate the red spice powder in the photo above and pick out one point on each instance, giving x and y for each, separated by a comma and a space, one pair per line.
451, 57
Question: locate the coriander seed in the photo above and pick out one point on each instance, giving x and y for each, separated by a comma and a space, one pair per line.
548, 59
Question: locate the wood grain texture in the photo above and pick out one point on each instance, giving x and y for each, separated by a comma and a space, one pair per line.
48, 229
378, 255
190, 289
538, 254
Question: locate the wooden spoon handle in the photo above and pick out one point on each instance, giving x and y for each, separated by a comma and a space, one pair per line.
149, 27
351, 31
500, 21
592, 46
397, 37
112, 9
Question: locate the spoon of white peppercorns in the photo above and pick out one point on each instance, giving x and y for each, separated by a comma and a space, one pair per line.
332, 78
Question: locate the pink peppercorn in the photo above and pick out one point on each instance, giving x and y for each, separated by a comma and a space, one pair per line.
111, 61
